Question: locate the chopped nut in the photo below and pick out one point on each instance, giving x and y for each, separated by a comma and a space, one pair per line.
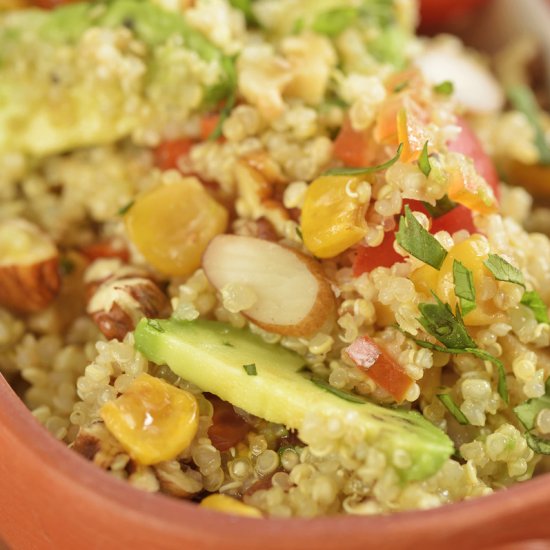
29, 267
174, 481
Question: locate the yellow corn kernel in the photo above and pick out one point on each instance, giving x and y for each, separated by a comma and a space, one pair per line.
384, 315
153, 420
467, 187
172, 225
534, 177
332, 219
228, 505
425, 279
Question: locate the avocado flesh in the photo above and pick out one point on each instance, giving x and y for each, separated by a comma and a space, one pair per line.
52, 99
211, 355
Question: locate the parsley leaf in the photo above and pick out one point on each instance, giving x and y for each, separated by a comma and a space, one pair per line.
229, 103
464, 287
453, 408
342, 394
401, 86
534, 302
155, 325
445, 88
424, 161
299, 232
527, 414
439, 321
250, 369
418, 242
442, 206
125, 208
523, 99
333, 22
344, 171
504, 271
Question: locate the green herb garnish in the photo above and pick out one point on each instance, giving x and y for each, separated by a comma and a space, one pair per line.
424, 161
504, 271
342, 394
154, 324
66, 265
401, 86
125, 208
523, 99
299, 232
533, 301
333, 22
527, 414
228, 344
453, 408
245, 6
442, 206
418, 242
230, 101
343, 171
445, 88
464, 287
250, 369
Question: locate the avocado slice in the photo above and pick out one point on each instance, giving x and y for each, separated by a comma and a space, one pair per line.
62, 88
213, 356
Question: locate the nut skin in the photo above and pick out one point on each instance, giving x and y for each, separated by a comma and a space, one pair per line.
29, 288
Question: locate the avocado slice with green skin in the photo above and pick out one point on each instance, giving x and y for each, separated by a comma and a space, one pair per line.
213, 356
51, 101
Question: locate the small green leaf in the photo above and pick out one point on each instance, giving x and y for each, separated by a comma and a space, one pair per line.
155, 324
464, 287
245, 6
538, 444
527, 414
250, 369
125, 208
333, 22
367, 170
533, 301
230, 101
299, 232
445, 88
504, 271
66, 265
418, 242
401, 86
442, 206
347, 396
523, 99
424, 161
228, 344
453, 408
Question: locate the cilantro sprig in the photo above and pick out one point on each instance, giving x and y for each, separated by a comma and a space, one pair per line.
418, 242
533, 301
444, 88
346, 171
504, 271
250, 369
441, 207
527, 414
453, 408
464, 287
424, 161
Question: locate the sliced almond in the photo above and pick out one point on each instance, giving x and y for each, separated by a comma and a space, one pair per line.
292, 295
29, 267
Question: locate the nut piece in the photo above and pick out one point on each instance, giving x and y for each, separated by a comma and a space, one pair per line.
291, 295
119, 296
29, 267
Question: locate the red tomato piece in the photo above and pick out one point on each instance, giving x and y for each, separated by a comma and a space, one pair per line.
370, 257
380, 366
436, 12
468, 144
228, 428
208, 125
352, 147
167, 154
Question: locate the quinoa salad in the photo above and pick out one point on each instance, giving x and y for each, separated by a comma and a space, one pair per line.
275, 257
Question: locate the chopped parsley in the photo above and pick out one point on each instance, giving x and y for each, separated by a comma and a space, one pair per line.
401, 86
228, 344
533, 301
442, 206
333, 22
125, 208
527, 414
229, 103
445, 88
250, 369
155, 324
523, 99
424, 161
345, 171
504, 271
418, 242
299, 232
453, 408
464, 287
342, 394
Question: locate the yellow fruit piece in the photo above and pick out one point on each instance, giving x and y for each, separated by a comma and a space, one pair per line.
172, 225
471, 253
467, 187
332, 218
228, 505
534, 177
153, 420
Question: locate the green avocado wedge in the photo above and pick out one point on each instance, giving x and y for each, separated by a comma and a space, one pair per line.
213, 355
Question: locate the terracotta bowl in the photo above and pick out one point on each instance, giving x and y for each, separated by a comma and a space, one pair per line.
51, 498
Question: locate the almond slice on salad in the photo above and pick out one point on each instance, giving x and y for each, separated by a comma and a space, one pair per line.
289, 292
29, 267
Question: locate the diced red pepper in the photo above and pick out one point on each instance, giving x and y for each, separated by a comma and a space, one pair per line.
380, 366
228, 428
168, 153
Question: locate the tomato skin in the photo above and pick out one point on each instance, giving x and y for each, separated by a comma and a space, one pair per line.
468, 144
437, 12
167, 153
369, 258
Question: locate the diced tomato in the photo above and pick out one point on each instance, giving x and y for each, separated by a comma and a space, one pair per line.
380, 366
456, 219
105, 249
371, 257
228, 428
352, 147
468, 144
167, 154
433, 13
208, 124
